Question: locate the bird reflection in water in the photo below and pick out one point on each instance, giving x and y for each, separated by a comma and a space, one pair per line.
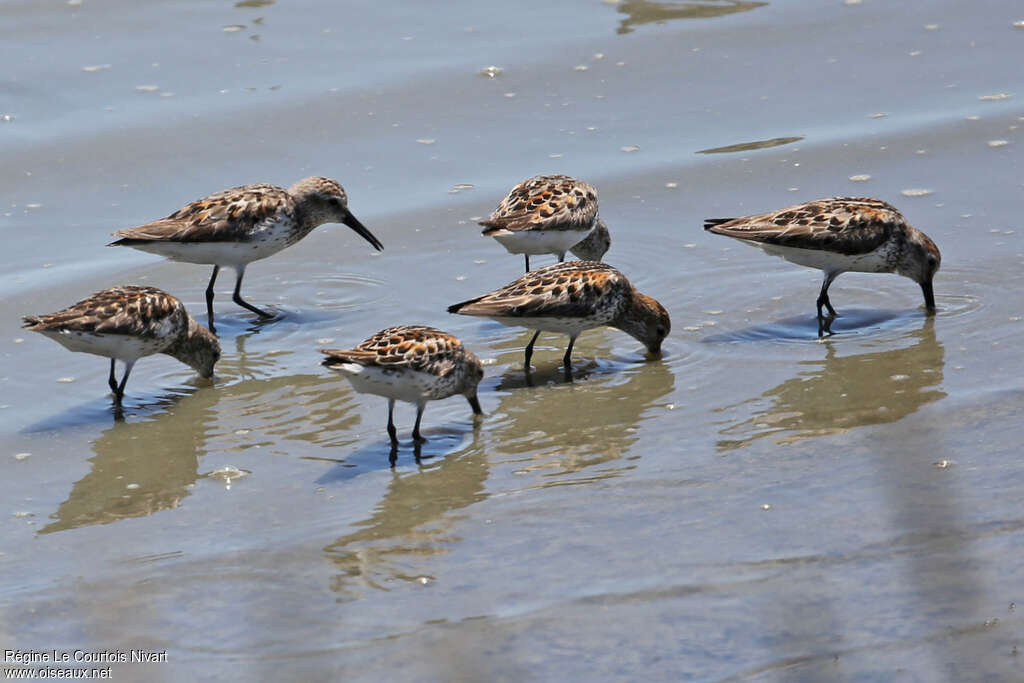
555, 433
840, 393
640, 12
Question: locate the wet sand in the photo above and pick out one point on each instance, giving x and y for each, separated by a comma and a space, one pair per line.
756, 505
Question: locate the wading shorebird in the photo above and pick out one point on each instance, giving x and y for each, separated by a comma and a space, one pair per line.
569, 298
550, 214
411, 363
837, 235
240, 225
127, 323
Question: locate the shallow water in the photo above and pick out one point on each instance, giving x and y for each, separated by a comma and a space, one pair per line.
756, 505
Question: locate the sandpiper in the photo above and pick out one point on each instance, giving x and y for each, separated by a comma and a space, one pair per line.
127, 323
244, 224
569, 298
549, 214
411, 363
837, 235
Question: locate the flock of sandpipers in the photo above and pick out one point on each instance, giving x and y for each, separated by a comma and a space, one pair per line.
551, 214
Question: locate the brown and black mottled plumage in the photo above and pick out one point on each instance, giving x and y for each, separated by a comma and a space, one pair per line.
127, 323
845, 225
412, 363
242, 224
837, 235
129, 310
572, 297
549, 214
553, 202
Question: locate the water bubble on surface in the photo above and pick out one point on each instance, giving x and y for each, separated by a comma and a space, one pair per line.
630, 148
147, 88
671, 186
943, 464
66, 380
581, 67
227, 474
460, 187
994, 97
22, 456
998, 143
234, 28
426, 141
860, 178
93, 68
916, 192
132, 487
878, 115
491, 71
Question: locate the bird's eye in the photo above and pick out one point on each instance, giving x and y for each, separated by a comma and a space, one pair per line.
661, 331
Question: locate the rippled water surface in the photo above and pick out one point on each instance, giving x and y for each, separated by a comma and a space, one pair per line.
756, 505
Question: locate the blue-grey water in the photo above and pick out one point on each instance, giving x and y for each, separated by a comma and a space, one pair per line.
754, 506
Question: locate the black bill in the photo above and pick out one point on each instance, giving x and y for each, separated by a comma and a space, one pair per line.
352, 222
929, 295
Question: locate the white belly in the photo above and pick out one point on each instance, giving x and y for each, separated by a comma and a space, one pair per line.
410, 386
231, 254
829, 261
570, 326
121, 346
266, 239
539, 241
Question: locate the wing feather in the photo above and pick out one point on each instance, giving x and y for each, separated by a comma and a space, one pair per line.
849, 225
554, 202
228, 215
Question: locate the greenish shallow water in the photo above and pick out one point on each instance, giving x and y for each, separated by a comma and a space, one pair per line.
754, 506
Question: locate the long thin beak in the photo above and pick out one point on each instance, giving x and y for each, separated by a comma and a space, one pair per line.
352, 222
929, 296
474, 403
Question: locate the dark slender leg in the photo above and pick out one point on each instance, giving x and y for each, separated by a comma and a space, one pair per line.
237, 298
527, 262
112, 381
823, 297
567, 358
416, 428
119, 394
392, 432
825, 324
393, 455
561, 257
209, 298
529, 349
